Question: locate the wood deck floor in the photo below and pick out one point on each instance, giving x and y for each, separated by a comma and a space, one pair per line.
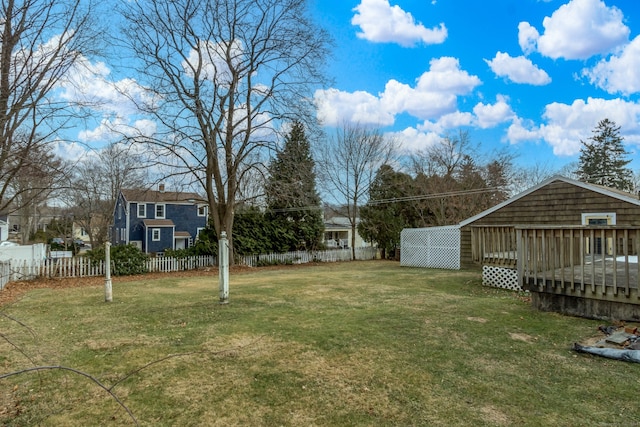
594, 272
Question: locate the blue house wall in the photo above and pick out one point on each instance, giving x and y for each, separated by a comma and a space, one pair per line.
165, 242
183, 212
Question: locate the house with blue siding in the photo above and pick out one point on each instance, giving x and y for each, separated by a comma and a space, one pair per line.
157, 220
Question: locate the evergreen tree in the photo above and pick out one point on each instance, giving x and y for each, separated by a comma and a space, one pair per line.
293, 203
382, 219
603, 159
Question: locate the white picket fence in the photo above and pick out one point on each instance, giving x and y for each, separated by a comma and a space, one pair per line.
303, 257
13, 270
83, 267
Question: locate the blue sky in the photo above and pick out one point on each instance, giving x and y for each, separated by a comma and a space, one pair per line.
533, 77
530, 76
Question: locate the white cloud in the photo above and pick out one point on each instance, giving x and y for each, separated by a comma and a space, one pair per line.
70, 151
209, 60
447, 122
88, 84
577, 30
336, 106
412, 140
566, 125
435, 94
113, 129
521, 131
491, 115
620, 73
527, 37
382, 23
518, 69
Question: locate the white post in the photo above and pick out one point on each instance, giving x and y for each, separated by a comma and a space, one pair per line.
223, 265
108, 296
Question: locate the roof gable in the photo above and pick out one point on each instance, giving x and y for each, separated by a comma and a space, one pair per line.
606, 191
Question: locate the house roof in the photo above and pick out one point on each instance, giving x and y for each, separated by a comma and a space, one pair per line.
611, 192
133, 195
158, 223
181, 234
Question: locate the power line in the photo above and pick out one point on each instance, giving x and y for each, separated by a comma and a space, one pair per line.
398, 199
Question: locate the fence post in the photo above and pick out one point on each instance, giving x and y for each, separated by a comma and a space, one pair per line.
223, 254
108, 296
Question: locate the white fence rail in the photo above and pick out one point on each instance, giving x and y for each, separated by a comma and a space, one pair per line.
13, 270
302, 257
83, 267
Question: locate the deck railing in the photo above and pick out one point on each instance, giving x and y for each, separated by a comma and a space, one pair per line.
494, 245
597, 259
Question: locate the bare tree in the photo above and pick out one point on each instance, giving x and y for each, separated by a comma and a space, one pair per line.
95, 186
225, 74
37, 174
348, 164
454, 182
41, 41
446, 157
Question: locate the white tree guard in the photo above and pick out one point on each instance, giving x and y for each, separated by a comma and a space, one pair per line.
500, 277
432, 247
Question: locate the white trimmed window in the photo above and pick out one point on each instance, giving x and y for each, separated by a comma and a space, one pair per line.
160, 211
198, 230
202, 210
142, 210
155, 234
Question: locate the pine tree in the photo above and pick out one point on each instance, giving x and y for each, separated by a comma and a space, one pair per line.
603, 158
383, 219
293, 202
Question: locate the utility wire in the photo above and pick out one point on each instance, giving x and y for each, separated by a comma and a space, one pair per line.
398, 199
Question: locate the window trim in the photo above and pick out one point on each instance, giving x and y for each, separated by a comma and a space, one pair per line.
164, 211
144, 209
198, 230
155, 234
204, 210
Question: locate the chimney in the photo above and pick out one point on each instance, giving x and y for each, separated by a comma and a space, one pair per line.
161, 187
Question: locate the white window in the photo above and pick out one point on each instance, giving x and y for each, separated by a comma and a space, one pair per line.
142, 210
155, 234
202, 210
198, 230
160, 211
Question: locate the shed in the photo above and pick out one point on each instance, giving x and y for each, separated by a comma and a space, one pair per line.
573, 245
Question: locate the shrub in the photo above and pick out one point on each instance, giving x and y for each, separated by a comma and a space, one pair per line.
125, 259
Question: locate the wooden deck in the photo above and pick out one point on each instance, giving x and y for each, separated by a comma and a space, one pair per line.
597, 277
595, 262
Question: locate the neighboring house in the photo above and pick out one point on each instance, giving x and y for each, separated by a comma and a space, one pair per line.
4, 227
337, 234
566, 241
158, 220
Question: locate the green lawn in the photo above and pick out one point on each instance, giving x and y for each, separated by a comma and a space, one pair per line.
344, 344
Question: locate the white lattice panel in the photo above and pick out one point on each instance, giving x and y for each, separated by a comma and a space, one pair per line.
500, 277
433, 247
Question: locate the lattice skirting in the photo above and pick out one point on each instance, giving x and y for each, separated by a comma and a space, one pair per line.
500, 277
